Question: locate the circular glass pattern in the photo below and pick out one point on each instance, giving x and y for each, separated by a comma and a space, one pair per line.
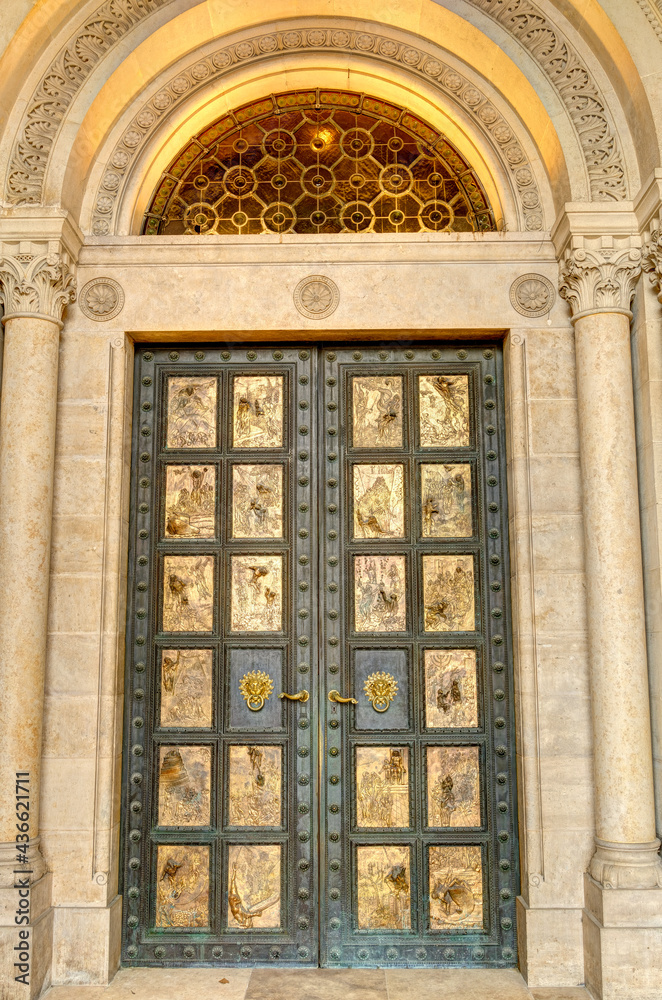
436, 216
334, 170
240, 181
279, 218
396, 179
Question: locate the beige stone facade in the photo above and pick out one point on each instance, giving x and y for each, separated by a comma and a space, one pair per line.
558, 108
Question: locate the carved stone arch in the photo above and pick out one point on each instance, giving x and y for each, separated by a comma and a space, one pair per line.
97, 34
544, 39
115, 183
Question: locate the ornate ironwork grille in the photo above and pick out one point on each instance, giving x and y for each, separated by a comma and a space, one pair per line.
318, 161
318, 762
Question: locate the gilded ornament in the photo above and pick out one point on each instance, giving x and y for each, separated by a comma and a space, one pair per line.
380, 689
256, 686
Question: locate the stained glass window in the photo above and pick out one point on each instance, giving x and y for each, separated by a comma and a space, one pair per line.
318, 161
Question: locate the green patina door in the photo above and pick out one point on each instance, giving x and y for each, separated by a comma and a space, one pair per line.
319, 766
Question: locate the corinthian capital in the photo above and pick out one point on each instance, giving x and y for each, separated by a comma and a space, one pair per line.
652, 260
600, 278
36, 278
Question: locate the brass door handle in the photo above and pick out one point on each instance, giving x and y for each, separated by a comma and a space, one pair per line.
335, 696
299, 696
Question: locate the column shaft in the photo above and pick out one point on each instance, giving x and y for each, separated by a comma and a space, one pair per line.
619, 682
27, 449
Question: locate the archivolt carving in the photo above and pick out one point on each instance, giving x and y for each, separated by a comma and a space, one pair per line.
320, 37
60, 84
653, 11
577, 89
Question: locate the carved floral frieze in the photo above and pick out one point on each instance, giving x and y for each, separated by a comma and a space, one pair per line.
47, 108
576, 87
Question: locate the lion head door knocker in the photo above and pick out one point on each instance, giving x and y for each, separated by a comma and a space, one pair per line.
381, 688
256, 686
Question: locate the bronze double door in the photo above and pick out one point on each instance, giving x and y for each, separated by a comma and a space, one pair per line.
319, 757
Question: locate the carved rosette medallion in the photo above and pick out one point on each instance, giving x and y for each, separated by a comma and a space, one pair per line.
600, 279
101, 299
532, 295
316, 296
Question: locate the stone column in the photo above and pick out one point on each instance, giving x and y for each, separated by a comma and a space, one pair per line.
599, 282
36, 283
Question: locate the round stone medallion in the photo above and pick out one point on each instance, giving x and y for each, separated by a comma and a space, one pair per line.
316, 296
101, 299
532, 295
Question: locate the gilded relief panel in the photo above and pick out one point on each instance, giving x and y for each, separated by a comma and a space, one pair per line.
456, 887
257, 501
382, 787
186, 687
255, 786
380, 594
451, 696
188, 592
379, 501
182, 886
377, 411
254, 891
446, 501
453, 786
444, 411
190, 501
191, 413
257, 411
256, 593
184, 784
448, 593
383, 887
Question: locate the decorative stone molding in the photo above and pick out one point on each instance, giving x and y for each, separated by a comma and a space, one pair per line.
532, 295
652, 260
36, 279
579, 92
316, 296
600, 278
332, 36
653, 11
47, 108
101, 299
627, 866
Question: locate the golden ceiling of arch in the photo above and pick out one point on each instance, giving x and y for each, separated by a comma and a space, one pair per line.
318, 162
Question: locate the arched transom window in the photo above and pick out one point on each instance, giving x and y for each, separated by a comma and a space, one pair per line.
318, 161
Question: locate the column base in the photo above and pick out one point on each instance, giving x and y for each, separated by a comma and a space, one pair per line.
86, 943
622, 942
627, 866
549, 943
26, 949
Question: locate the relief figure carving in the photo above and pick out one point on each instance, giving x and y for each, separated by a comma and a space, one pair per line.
450, 688
182, 888
444, 411
190, 501
456, 887
448, 593
377, 412
383, 887
254, 786
191, 412
257, 501
254, 890
188, 590
257, 588
186, 687
378, 501
258, 411
446, 501
184, 783
382, 790
379, 594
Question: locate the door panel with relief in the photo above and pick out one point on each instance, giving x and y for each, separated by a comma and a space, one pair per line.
318, 744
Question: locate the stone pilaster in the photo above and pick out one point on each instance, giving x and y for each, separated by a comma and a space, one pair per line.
36, 283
